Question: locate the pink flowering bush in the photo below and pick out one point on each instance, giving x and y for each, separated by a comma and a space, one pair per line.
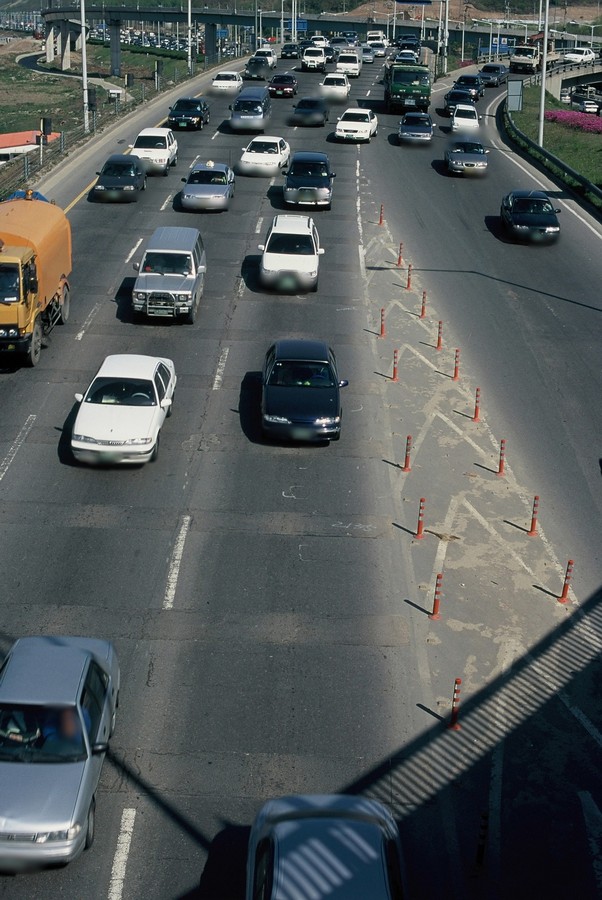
577, 120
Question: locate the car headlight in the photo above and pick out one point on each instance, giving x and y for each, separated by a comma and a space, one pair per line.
99, 187
140, 296
9, 332
139, 441
84, 439
552, 229
276, 420
67, 834
183, 298
128, 187
328, 420
522, 227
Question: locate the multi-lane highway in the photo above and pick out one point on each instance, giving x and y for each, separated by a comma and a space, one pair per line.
261, 597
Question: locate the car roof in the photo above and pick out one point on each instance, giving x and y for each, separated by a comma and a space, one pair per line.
226, 72
536, 195
176, 238
129, 365
469, 106
154, 132
355, 109
45, 670
309, 156
291, 224
301, 348
266, 137
319, 101
188, 100
125, 158
209, 167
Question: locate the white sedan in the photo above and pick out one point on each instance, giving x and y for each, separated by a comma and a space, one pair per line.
121, 414
356, 125
228, 82
335, 86
265, 155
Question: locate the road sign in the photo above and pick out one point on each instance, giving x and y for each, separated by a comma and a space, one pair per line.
301, 24
221, 32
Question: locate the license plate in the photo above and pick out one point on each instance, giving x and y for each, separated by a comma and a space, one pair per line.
279, 93
289, 283
181, 124
410, 102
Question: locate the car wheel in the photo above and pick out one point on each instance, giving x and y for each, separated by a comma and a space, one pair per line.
91, 825
156, 448
190, 318
65, 306
170, 408
174, 161
166, 170
144, 185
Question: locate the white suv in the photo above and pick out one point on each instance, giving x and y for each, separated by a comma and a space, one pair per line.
314, 59
158, 148
290, 255
269, 54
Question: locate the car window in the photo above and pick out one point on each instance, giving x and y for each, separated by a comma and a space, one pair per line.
262, 147
160, 386
150, 142
93, 699
121, 392
40, 734
296, 244
165, 374
159, 263
298, 373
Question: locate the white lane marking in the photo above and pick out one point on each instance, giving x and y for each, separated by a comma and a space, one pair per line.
593, 827
368, 93
259, 225
133, 250
88, 321
219, 372
213, 136
120, 860
166, 202
16, 445
176, 562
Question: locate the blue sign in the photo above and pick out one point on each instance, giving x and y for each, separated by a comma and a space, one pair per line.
301, 24
221, 32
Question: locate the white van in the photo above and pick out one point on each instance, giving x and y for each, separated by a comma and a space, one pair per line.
349, 63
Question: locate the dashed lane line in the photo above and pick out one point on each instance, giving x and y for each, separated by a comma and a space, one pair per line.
120, 860
221, 366
175, 563
133, 250
88, 321
16, 445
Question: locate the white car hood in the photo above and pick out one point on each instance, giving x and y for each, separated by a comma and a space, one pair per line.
353, 126
283, 262
261, 159
111, 422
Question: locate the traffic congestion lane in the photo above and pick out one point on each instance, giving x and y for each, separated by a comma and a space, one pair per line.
141, 503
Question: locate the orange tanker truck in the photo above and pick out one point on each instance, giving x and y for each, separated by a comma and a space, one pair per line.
35, 264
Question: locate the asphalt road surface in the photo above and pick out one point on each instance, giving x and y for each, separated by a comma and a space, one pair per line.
254, 591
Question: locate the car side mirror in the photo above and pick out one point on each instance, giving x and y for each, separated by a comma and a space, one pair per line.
100, 747
343, 383
333, 174
79, 397
98, 173
165, 403
183, 179
338, 118
136, 266
170, 108
480, 117
486, 151
130, 146
285, 171
321, 251
261, 247
230, 107
557, 210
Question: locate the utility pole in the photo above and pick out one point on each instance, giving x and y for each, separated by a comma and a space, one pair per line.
544, 64
84, 67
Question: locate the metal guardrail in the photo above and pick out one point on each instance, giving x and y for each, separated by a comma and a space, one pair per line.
27, 168
553, 164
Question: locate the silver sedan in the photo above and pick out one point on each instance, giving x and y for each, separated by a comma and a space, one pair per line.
416, 128
209, 186
58, 697
466, 158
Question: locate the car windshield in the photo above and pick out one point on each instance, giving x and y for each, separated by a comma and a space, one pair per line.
337, 82
150, 142
158, 263
526, 51
315, 169
206, 176
41, 734
298, 373
533, 205
225, 76
414, 119
401, 77
467, 79
308, 104
186, 106
262, 147
282, 79
291, 244
491, 70
118, 170
468, 147
9, 283
465, 113
355, 117
250, 106
122, 392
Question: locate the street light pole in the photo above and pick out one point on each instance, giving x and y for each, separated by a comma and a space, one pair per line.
446, 38
189, 31
84, 67
544, 64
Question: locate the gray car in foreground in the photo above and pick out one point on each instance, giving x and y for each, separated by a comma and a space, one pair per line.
58, 697
416, 128
466, 158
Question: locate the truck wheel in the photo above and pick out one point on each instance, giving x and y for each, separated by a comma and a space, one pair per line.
65, 307
35, 346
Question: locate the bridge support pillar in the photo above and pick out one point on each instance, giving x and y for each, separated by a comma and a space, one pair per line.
64, 47
50, 39
210, 41
115, 39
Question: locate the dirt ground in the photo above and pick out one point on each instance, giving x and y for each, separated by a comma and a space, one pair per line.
580, 14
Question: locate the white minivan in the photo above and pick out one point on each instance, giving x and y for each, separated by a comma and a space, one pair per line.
349, 63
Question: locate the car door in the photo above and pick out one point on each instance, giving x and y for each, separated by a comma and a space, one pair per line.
283, 151
96, 708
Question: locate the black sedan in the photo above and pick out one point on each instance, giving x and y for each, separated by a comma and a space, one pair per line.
454, 97
310, 111
472, 84
284, 85
300, 398
121, 179
289, 51
530, 216
189, 112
